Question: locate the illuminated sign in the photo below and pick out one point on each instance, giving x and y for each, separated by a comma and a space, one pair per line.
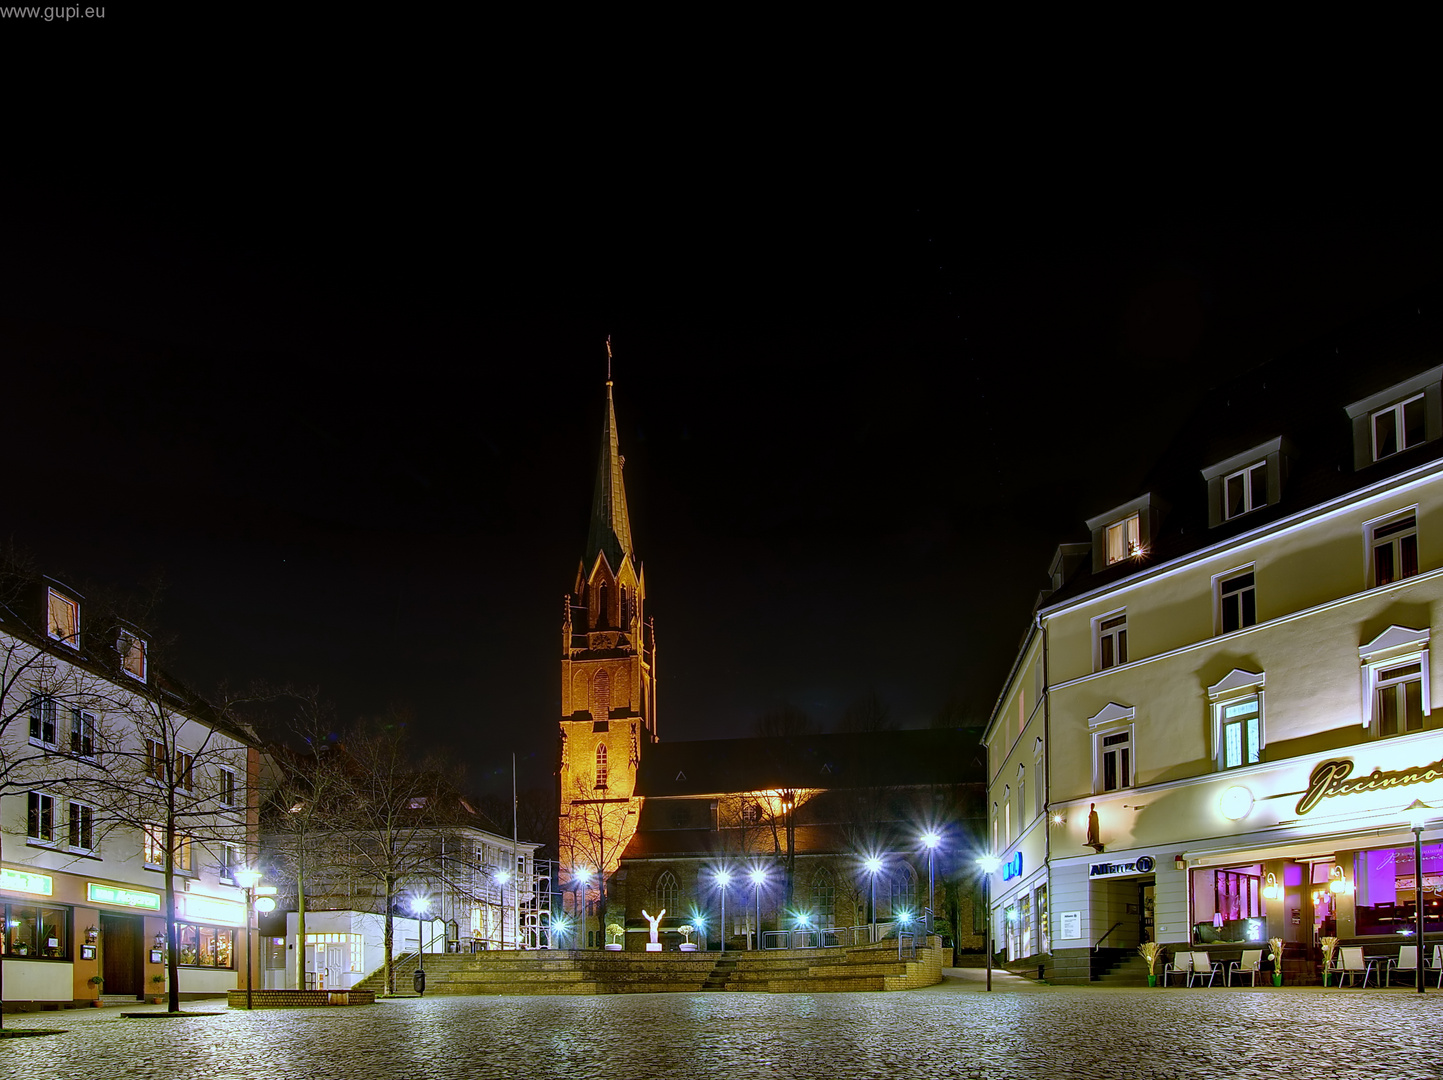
1143, 864
1330, 779
1012, 867
227, 912
109, 894
23, 881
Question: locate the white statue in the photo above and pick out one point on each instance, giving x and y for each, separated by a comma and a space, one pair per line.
655, 920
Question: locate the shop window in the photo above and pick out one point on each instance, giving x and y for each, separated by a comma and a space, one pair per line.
35, 931
1385, 895
1237, 600
205, 946
1044, 932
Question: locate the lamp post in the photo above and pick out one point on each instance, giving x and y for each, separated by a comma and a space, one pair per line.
1417, 815
758, 876
582, 877
249, 880
503, 877
989, 865
873, 865
931, 839
420, 905
723, 879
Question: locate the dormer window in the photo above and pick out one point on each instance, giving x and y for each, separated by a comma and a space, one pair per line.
1123, 533
63, 619
1247, 481
1245, 490
1124, 539
132, 654
1399, 418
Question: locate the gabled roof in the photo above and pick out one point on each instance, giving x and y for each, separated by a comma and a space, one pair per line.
864, 759
610, 529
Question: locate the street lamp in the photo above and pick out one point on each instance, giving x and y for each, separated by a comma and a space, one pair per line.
723, 879
582, 877
1417, 815
989, 865
931, 839
873, 866
758, 876
248, 880
503, 877
420, 905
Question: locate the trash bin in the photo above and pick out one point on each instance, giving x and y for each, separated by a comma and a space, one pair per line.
418, 980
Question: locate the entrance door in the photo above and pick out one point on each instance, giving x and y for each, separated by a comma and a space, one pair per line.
1145, 906
336, 965
121, 939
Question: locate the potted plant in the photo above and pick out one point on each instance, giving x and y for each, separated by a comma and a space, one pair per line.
159, 989
97, 981
1330, 944
1276, 944
686, 931
614, 930
1150, 951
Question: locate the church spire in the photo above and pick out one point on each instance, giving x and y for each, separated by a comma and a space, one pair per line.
610, 531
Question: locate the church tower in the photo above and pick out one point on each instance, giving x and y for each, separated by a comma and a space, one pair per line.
608, 695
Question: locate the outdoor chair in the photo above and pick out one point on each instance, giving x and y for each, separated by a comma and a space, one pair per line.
1181, 965
1202, 968
1351, 962
1250, 963
1438, 963
1406, 960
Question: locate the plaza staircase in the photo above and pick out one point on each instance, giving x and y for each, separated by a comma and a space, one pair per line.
589, 972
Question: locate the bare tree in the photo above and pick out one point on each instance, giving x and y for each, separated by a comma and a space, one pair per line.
867, 713
594, 832
786, 721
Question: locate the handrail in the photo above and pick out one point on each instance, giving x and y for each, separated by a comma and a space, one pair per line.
1100, 940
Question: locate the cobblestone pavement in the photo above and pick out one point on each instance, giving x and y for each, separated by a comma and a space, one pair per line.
949, 1031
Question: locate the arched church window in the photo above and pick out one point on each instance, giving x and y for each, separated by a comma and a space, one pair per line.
668, 892
904, 890
601, 766
824, 898
601, 696
601, 608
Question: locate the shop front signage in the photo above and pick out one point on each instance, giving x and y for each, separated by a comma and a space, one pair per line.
208, 909
1071, 925
24, 881
1330, 779
1143, 864
1012, 867
132, 898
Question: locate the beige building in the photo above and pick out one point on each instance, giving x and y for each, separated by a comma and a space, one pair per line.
1222, 706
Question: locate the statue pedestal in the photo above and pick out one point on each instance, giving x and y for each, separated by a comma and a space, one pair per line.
653, 946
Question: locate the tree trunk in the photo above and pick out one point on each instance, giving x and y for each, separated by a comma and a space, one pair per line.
172, 965
301, 917
389, 935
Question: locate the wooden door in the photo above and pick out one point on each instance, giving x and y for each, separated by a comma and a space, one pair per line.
120, 943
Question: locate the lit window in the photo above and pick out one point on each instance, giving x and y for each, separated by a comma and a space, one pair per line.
1398, 427
1114, 760
153, 842
601, 769
63, 619
1111, 640
82, 827
132, 655
1241, 725
1124, 539
1245, 490
1394, 546
40, 817
42, 720
1237, 601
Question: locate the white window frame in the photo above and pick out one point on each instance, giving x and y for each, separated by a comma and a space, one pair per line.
52, 630
1128, 531
995, 847
1399, 411
41, 798
1394, 647
226, 862
184, 769
71, 808
1246, 473
45, 703
1007, 814
1022, 817
1099, 752
152, 839
1397, 520
228, 779
81, 722
1219, 581
123, 646
1235, 687
1038, 787
1098, 634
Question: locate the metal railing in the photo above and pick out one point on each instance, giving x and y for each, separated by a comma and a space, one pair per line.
831, 937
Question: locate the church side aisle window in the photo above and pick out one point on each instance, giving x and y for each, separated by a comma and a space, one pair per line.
601, 768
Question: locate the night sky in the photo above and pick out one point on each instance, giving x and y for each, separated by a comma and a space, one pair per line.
354, 426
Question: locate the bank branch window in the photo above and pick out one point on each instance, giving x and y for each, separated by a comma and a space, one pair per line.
205, 946
36, 931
